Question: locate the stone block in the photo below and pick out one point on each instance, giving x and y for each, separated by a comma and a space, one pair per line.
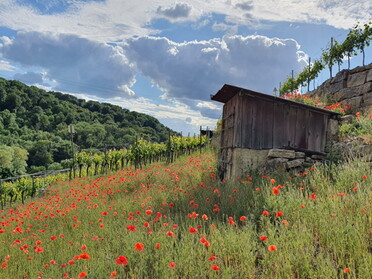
335, 87
309, 160
276, 163
354, 102
367, 100
341, 76
318, 157
369, 76
300, 155
356, 79
347, 118
295, 163
333, 129
281, 153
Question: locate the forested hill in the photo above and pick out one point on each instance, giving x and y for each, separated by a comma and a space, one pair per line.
37, 120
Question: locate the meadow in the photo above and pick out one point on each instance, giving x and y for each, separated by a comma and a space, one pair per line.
180, 221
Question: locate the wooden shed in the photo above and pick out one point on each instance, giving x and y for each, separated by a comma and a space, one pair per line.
257, 121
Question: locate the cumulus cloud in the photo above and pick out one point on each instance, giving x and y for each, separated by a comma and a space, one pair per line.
246, 6
75, 64
180, 10
195, 70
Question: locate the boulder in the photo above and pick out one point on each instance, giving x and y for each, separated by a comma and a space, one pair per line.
356, 79
295, 163
369, 76
276, 163
282, 153
317, 157
300, 155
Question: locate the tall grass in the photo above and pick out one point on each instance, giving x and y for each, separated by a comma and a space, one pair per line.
193, 226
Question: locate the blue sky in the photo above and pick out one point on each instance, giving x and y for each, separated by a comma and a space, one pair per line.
165, 58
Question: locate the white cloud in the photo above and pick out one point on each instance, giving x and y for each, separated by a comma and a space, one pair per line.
200, 68
113, 20
75, 64
179, 10
6, 66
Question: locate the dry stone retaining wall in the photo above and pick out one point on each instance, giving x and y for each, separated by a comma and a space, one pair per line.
349, 87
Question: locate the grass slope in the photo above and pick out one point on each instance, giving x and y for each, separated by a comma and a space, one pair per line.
179, 221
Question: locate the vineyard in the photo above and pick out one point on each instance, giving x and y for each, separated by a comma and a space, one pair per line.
357, 39
91, 163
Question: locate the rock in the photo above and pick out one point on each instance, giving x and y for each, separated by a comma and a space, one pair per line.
333, 129
335, 87
347, 93
367, 100
369, 75
295, 163
340, 77
354, 102
276, 163
300, 155
347, 118
356, 79
282, 153
318, 157
309, 160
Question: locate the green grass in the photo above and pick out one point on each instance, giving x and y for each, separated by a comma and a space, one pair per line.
319, 237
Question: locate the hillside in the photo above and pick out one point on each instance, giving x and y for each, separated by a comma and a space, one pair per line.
37, 121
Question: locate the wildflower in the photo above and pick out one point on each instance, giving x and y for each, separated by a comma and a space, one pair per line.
263, 237
276, 190
243, 218
170, 233
213, 258
84, 256
157, 246
279, 214
215, 267
193, 230
205, 217
265, 213
4, 265
122, 260
313, 196
83, 247
82, 274
113, 274
139, 246
272, 181
285, 222
131, 228
53, 237
364, 176
346, 270
172, 265
272, 248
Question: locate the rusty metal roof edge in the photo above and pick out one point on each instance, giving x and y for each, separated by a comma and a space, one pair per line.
240, 90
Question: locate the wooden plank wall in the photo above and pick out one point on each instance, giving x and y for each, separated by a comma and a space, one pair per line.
255, 123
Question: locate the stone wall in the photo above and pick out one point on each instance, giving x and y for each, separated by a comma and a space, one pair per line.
349, 87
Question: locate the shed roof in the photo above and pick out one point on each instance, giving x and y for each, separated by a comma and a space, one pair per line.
228, 91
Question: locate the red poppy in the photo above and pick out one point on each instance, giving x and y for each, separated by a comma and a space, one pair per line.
113, 274
213, 258
272, 248
265, 213
82, 274
279, 214
122, 260
157, 246
172, 265
263, 237
84, 256
272, 181
193, 230
346, 270
276, 191
243, 218
139, 246
215, 267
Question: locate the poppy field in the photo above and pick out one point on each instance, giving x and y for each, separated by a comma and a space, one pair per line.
180, 221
